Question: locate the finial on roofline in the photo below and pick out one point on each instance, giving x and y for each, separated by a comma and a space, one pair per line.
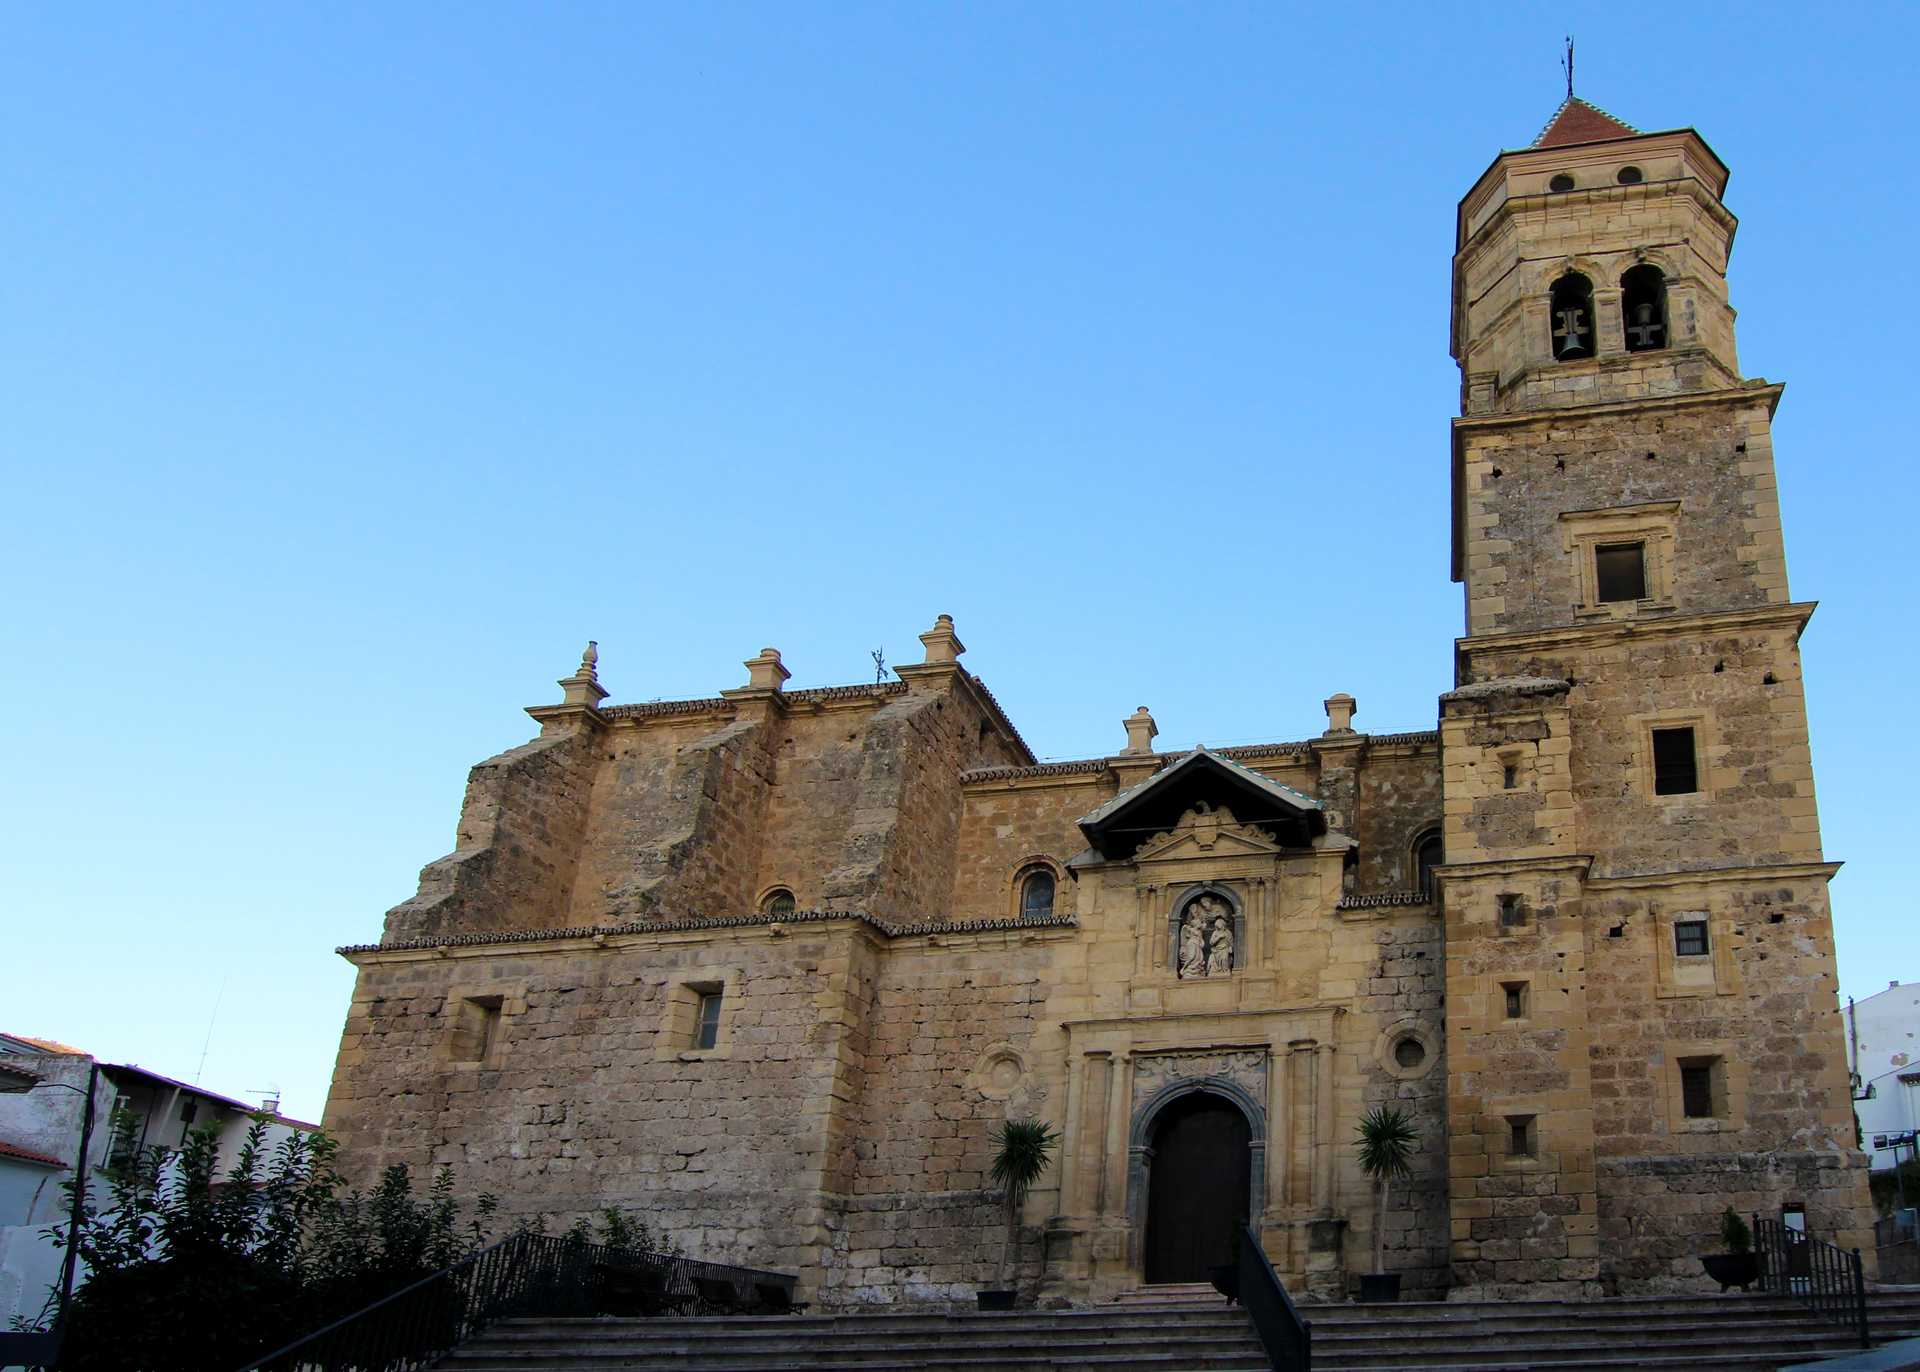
583, 687
1567, 62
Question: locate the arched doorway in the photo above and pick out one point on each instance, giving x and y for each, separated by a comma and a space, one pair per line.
1198, 1186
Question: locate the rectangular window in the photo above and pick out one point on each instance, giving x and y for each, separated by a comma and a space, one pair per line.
476, 1025
1690, 937
1674, 770
707, 1032
1516, 992
1512, 915
1509, 776
1697, 1087
1620, 571
1520, 1136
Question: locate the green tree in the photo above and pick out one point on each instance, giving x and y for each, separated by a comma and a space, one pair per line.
1022, 1150
1386, 1141
187, 1270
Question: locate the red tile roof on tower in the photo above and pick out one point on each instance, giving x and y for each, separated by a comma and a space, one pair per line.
1576, 121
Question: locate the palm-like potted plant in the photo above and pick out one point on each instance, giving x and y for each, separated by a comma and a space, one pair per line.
1739, 1265
1022, 1150
1386, 1141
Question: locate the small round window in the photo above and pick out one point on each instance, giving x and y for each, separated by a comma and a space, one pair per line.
778, 901
1562, 182
1409, 1052
1628, 176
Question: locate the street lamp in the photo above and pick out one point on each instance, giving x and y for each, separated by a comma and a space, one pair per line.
41, 1348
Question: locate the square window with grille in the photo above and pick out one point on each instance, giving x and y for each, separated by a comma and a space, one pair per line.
1675, 771
1515, 993
706, 1031
1620, 571
1690, 938
1697, 1087
1522, 1140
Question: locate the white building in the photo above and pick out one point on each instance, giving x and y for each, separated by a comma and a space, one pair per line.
1883, 1037
43, 1088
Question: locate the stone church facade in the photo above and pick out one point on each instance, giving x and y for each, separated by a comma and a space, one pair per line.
771, 966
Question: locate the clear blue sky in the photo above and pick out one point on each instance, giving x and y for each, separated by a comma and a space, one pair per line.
362, 361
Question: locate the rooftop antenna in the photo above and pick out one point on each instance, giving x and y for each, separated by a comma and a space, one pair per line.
1567, 63
217, 996
879, 656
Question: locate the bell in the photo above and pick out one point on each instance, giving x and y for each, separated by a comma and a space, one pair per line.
1646, 330
1572, 334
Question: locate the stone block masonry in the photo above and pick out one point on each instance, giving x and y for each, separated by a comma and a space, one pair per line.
771, 967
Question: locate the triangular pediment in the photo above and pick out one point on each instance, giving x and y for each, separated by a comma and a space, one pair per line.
1207, 831
1197, 785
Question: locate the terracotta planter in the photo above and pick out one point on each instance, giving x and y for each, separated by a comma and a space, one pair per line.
1732, 1269
995, 1300
1378, 1287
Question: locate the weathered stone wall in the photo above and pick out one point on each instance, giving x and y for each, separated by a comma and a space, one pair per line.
1006, 822
1693, 477
521, 829
1398, 800
587, 1098
950, 1055
1400, 986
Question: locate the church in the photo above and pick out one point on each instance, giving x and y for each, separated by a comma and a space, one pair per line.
772, 966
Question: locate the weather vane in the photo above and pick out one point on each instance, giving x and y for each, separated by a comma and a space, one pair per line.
1567, 62
879, 656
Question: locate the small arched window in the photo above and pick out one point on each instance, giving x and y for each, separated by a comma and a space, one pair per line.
1428, 854
778, 901
1643, 308
1036, 895
1628, 176
1562, 182
1571, 317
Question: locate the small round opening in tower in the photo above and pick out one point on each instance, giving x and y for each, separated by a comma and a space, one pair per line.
1562, 182
1409, 1052
1628, 176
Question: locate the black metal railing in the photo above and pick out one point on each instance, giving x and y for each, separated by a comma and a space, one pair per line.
526, 1275
1287, 1338
1826, 1279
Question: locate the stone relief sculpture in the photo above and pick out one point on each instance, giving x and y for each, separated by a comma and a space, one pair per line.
1193, 946
1206, 938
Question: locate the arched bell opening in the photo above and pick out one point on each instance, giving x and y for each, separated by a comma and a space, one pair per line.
1197, 1176
1571, 317
1643, 308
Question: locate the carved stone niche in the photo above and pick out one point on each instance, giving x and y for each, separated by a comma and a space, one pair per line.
1207, 932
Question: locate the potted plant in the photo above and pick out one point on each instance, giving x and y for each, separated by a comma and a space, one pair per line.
1022, 1150
1739, 1265
1386, 1142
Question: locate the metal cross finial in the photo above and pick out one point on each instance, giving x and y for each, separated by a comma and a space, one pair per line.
1567, 62
879, 657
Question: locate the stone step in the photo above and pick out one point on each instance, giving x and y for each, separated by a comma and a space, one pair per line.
1464, 1348
1725, 1333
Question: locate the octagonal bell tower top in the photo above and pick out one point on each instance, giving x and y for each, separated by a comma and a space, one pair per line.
1591, 267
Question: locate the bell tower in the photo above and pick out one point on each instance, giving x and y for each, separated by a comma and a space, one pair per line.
1640, 978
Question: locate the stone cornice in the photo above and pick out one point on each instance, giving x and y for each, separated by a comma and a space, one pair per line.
1770, 391
1785, 871
1246, 752
600, 935
1788, 614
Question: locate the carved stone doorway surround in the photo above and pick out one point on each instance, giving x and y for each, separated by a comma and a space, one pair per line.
1147, 1113
1275, 1067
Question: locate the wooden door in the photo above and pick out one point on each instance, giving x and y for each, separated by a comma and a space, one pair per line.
1197, 1183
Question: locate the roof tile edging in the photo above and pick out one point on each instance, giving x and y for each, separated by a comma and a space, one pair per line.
890, 928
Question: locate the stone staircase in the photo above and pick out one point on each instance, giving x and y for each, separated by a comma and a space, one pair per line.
1730, 1333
